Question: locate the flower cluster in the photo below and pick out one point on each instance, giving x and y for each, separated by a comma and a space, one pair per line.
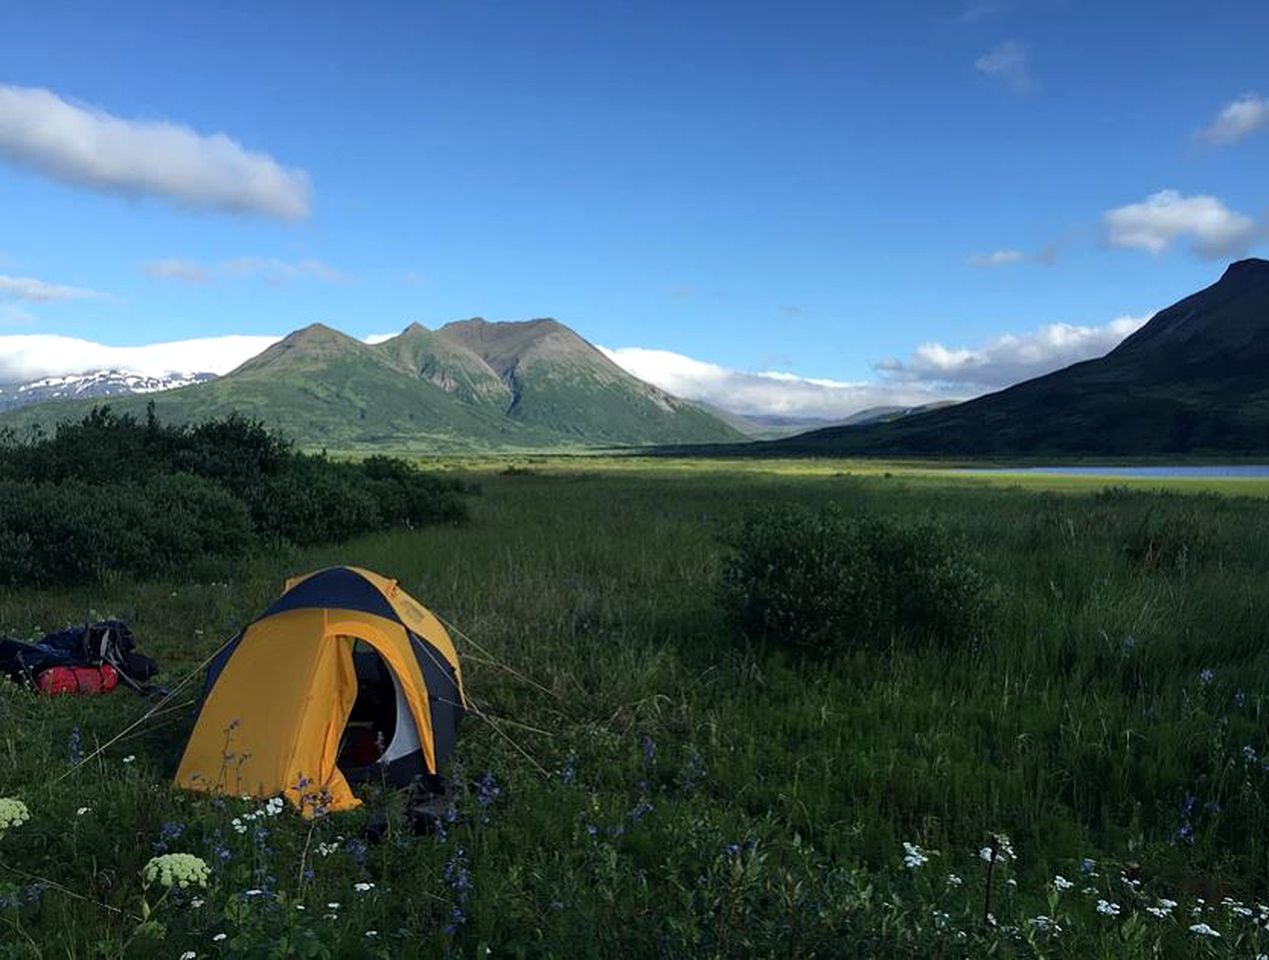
13, 813
176, 870
914, 856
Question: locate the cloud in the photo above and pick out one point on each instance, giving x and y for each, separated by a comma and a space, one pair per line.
1215, 231
378, 337
173, 269
1008, 359
85, 146
40, 291
765, 392
29, 357
1007, 63
1244, 116
999, 258
279, 271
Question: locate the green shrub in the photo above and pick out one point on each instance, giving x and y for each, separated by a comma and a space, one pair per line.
75, 532
110, 494
823, 579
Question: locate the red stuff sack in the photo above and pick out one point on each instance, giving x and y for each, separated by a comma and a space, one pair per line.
57, 680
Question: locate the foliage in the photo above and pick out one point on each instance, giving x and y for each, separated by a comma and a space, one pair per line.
639, 785
110, 495
820, 578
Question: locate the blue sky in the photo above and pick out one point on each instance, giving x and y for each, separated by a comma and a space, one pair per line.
803, 187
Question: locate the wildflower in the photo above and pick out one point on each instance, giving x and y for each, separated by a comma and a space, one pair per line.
649, 749
197, 902
238, 825
1207, 675
953, 880
458, 877
1044, 924
363, 887
253, 892
487, 790
1166, 904
1061, 883
83, 810
1203, 930
188, 955
13, 813
372, 933
73, 755
130, 758
1108, 909
274, 806
1249, 753
568, 773
219, 937
333, 905
913, 856
1000, 851
1087, 866
1240, 698
176, 870
639, 811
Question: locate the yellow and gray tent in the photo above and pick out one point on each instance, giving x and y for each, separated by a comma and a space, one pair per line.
342, 650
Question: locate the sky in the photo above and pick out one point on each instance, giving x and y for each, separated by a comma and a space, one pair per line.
803, 208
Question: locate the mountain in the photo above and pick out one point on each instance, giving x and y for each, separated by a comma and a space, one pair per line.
470, 387
1194, 379
562, 384
773, 426
97, 383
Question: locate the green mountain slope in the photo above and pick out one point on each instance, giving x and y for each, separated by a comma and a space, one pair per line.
1195, 379
421, 390
561, 383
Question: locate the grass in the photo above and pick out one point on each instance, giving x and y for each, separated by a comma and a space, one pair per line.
648, 784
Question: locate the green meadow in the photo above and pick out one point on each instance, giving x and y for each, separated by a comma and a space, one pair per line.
1086, 778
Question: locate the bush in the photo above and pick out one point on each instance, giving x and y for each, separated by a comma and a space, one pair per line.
819, 579
75, 532
110, 494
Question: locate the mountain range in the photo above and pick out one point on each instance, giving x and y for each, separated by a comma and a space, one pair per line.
93, 384
1193, 380
470, 386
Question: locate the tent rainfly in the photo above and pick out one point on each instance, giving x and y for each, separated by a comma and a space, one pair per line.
344, 678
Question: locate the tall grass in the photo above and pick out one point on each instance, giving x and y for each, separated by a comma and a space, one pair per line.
658, 786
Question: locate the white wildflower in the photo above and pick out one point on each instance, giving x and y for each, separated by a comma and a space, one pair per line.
953, 880
363, 887
253, 892
197, 902
333, 905
83, 810
219, 937
13, 813
1061, 883
176, 870
1108, 909
372, 933
130, 758
913, 856
1203, 930
188, 955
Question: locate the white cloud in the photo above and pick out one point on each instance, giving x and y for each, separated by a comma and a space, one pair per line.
998, 258
379, 337
1244, 116
1008, 63
40, 291
174, 269
1010, 358
1154, 223
86, 146
28, 357
280, 271
765, 392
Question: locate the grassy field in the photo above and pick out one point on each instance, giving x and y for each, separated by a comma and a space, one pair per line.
643, 782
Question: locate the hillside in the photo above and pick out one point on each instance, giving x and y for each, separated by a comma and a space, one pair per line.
1193, 380
527, 386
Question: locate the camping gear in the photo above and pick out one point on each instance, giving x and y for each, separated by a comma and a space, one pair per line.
89, 647
59, 680
344, 678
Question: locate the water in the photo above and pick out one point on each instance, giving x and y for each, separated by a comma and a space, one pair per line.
1241, 471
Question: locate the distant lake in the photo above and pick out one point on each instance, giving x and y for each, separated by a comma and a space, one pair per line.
1161, 472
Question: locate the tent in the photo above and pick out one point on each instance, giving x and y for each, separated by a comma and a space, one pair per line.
344, 678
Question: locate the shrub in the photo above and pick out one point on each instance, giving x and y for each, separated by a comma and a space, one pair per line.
111, 494
823, 579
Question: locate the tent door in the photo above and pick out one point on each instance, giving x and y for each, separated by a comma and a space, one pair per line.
380, 727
